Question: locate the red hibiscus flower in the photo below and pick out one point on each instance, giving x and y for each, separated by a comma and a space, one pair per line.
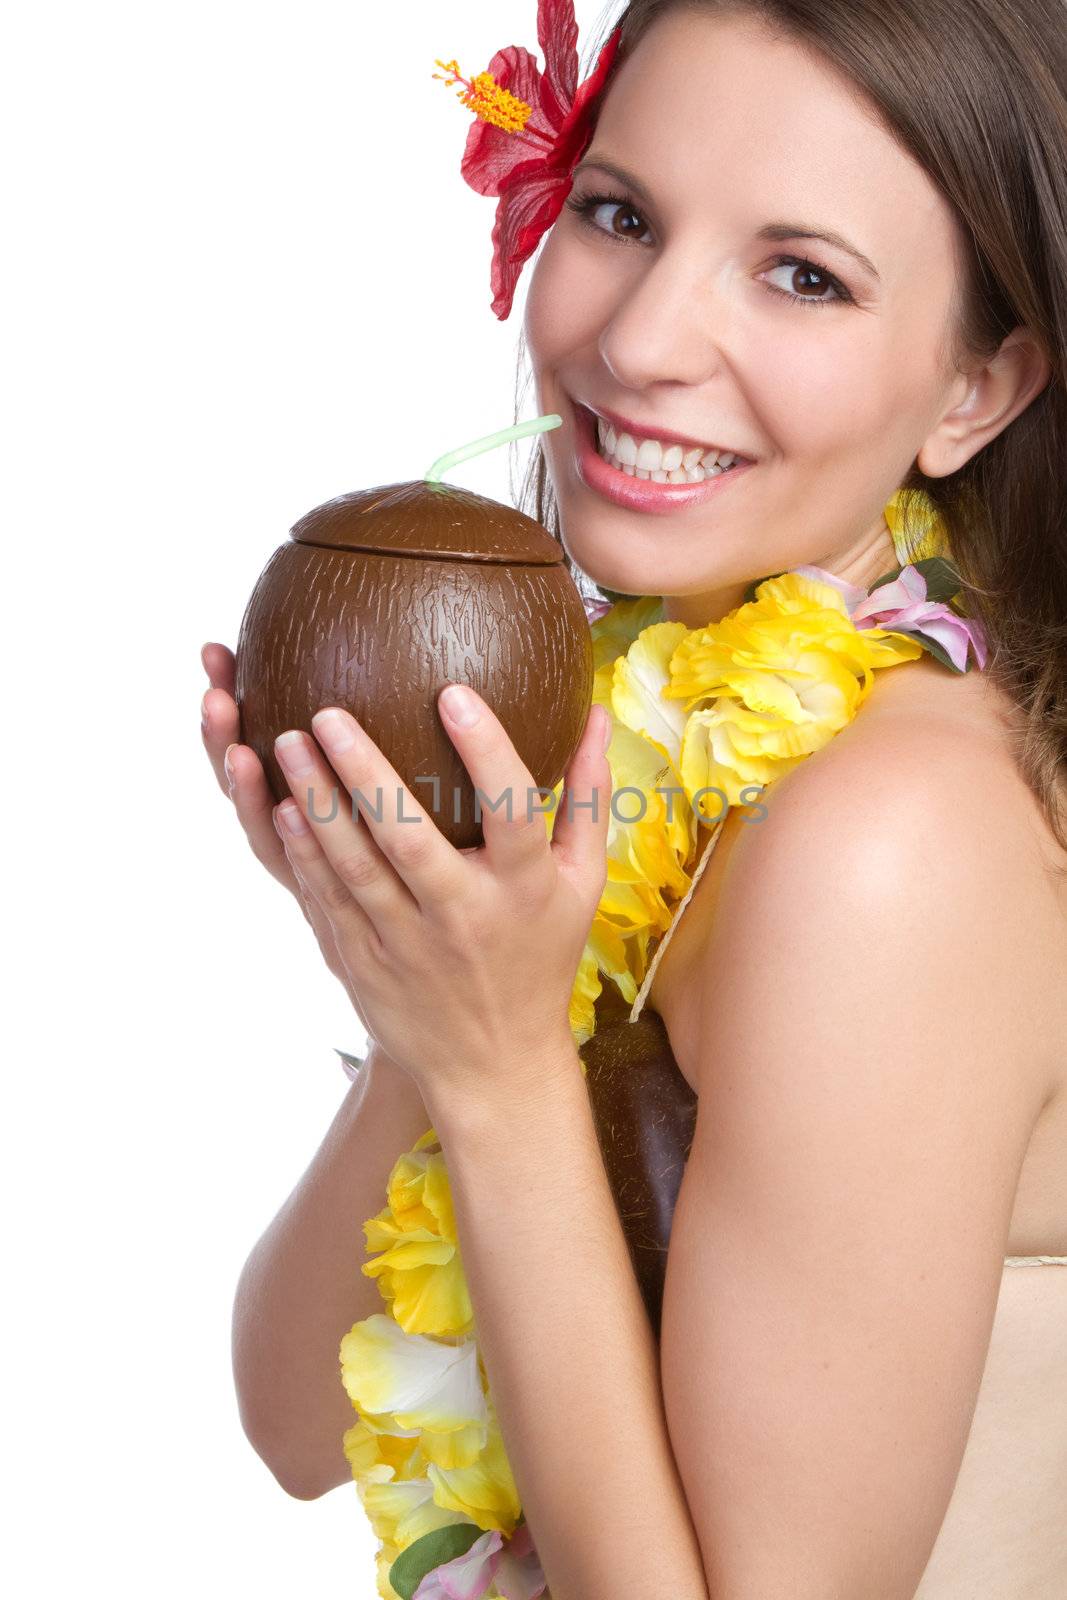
532, 128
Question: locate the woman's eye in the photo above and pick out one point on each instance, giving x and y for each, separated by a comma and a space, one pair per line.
808, 282
613, 215
627, 224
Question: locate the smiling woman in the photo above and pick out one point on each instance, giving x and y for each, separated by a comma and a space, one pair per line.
825, 1057
931, 181
921, 194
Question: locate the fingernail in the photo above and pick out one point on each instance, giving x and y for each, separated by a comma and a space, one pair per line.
291, 750
203, 710
335, 730
462, 706
231, 776
608, 731
292, 817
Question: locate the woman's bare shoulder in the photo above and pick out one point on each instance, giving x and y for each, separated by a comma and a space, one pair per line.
917, 809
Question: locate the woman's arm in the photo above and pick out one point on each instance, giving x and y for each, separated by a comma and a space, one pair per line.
301, 1288
865, 1108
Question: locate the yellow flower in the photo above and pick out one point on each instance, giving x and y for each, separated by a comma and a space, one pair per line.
652, 836
638, 680
617, 629
772, 682
401, 1381
587, 987
420, 1273
917, 527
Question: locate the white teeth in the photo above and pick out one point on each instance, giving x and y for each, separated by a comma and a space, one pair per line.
659, 462
626, 450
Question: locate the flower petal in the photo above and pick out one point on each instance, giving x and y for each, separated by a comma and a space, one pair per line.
491, 154
557, 34
420, 1381
468, 1576
519, 1575
528, 206
639, 679
851, 593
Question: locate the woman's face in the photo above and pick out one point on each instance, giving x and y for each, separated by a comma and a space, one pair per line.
671, 309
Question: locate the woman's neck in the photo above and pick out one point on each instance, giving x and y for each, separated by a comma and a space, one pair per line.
868, 558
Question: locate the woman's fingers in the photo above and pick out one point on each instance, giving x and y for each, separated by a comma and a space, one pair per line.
246, 782
220, 724
326, 890
252, 797
317, 918
220, 664
254, 804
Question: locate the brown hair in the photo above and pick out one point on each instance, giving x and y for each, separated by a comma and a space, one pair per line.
976, 92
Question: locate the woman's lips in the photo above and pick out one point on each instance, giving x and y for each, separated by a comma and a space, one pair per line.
639, 494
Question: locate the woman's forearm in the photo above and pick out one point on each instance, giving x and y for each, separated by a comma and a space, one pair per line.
301, 1287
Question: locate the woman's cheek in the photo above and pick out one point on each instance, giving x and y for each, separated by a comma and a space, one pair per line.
809, 388
569, 300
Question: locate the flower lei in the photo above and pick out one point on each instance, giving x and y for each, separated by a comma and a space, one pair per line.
720, 710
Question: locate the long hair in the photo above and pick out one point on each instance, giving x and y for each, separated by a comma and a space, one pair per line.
976, 92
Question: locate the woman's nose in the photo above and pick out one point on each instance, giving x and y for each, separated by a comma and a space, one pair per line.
668, 325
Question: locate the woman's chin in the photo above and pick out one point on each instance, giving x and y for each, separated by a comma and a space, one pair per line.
603, 567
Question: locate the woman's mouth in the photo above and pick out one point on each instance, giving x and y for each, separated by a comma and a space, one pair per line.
647, 474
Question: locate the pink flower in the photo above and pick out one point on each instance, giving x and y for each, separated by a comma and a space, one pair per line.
902, 607
513, 1567
595, 609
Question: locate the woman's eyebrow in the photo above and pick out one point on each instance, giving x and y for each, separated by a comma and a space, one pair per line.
776, 231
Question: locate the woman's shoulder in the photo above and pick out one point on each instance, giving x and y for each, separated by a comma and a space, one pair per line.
913, 838
930, 749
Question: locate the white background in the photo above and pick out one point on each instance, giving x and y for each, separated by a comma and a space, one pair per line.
242, 275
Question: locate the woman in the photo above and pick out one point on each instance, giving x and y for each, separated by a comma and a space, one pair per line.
862, 1378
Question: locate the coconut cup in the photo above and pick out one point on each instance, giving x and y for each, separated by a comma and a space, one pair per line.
381, 597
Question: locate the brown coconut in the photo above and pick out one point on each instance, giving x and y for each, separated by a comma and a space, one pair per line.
380, 598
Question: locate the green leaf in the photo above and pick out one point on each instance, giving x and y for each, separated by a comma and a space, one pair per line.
432, 1550
353, 1061
942, 578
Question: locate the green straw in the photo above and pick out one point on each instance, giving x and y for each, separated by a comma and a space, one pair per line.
444, 463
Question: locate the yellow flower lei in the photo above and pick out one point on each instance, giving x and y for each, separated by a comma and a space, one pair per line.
725, 708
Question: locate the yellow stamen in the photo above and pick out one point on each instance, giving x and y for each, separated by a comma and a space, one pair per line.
487, 99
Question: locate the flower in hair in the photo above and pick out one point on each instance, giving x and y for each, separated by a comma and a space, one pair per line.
531, 130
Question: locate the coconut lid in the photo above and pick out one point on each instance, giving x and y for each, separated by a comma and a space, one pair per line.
435, 520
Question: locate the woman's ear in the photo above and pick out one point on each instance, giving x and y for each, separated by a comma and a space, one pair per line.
992, 397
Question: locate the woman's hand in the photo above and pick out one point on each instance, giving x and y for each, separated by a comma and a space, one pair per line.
462, 963
246, 784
